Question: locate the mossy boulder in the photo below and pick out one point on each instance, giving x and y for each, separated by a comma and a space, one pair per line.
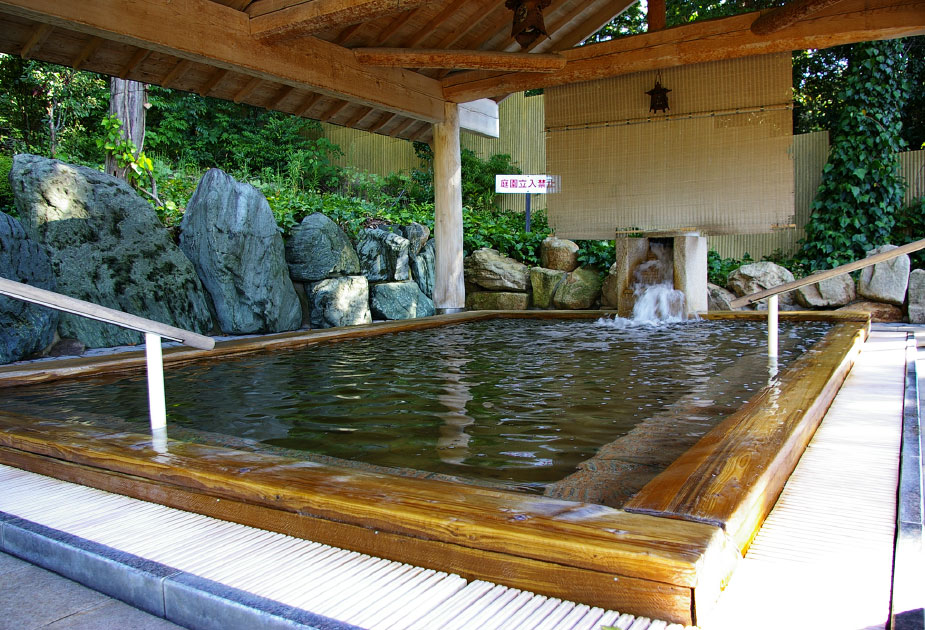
581, 290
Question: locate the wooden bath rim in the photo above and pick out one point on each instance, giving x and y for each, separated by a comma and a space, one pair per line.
667, 554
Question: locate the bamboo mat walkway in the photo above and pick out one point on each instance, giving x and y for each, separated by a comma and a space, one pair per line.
823, 558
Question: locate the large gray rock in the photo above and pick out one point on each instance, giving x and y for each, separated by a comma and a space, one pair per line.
319, 249
917, 296
759, 276
384, 256
25, 328
230, 234
342, 301
544, 283
828, 293
878, 311
106, 246
399, 300
417, 236
488, 269
559, 254
422, 268
886, 281
581, 289
718, 298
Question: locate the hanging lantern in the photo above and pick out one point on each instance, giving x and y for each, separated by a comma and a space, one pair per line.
658, 96
528, 20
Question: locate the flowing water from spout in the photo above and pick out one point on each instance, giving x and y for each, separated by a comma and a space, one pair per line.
656, 300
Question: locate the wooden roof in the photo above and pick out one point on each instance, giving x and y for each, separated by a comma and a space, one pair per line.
387, 66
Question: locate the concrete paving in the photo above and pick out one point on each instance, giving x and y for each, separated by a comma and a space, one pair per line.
32, 598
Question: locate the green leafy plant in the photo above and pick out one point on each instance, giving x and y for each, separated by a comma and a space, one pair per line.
719, 268
138, 167
854, 207
6, 191
910, 226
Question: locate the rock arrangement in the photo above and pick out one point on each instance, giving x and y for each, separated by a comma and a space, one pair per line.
888, 291
89, 235
496, 282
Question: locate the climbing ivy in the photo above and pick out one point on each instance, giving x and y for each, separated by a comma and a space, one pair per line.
854, 207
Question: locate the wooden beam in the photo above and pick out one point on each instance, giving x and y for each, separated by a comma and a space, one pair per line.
478, 11
312, 17
39, 34
347, 33
788, 15
211, 34
214, 80
459, 59
731, 38
140, 55
449, 287
402, 127
89, 48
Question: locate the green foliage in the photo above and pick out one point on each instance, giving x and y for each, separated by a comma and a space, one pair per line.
6, 191
138, 167
910, 226
719, 268
50, 110
861, 189
598, 254
504, 230
188, 128
478, 176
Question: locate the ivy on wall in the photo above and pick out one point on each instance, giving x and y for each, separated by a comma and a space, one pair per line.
861, 189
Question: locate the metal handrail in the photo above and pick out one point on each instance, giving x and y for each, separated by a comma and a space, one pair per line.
153, 331
829, 273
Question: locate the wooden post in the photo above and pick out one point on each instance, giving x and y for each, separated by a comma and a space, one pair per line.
449, 288
772, 327
656, 17
157, 406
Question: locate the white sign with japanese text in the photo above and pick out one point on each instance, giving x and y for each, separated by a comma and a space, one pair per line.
523, 184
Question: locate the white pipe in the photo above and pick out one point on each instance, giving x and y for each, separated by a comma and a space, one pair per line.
157, 406
772, 327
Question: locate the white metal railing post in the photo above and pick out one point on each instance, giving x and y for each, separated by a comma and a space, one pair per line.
772, 327
156, 402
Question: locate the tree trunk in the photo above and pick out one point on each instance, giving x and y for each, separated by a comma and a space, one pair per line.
127, 103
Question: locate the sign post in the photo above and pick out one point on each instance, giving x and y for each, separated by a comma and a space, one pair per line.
528, 185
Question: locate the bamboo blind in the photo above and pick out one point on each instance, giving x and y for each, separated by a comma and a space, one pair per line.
719, 162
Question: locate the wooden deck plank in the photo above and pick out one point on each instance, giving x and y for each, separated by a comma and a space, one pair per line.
823, 557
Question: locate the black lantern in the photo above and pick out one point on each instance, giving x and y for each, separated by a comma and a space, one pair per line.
658, 96
528, 20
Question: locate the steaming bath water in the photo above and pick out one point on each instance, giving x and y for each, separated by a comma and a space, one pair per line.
520, 402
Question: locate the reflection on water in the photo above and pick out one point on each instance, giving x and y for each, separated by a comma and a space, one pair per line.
519, 401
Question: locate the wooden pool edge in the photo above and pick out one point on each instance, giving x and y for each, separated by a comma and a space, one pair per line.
665, 564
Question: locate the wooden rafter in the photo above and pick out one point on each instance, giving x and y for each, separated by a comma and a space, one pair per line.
246, 91
39, 34
788, 15
480, 12
656, 15
214, 35
587, 27
463, 59
177, 70
312, 17
848, 22
140, 55
432, 25
333, 110
280, 96
355, 120
213, 80
382, 122
394, 26
307, 104
85, 53
347, 33
402, 127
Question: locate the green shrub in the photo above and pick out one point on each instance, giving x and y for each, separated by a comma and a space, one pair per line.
910, 226
719, 268
6, 191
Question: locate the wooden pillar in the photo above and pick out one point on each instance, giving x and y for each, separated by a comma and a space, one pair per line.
449, 288
656, 17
